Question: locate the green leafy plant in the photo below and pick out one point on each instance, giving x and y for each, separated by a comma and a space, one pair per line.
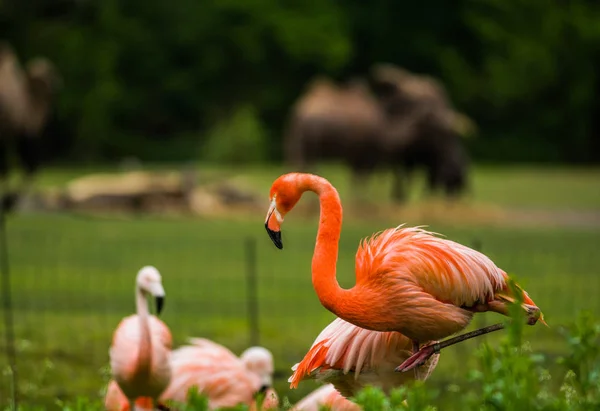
582, 382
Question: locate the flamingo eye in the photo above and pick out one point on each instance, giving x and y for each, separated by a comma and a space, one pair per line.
284, 202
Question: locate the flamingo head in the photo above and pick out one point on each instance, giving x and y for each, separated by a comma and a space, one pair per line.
259, 361
285, 193
149, 281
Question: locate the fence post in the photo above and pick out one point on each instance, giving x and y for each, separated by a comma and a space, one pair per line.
251, 291
7, 306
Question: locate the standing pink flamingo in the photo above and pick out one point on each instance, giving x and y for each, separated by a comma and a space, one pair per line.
352, 358
139, 355
220, 375
407, 279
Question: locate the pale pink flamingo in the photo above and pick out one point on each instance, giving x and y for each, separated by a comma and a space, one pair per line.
325, 396
259, 360
139, 355
352, 358
220, 375
407, 279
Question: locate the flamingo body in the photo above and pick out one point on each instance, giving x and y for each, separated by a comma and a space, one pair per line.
136, 381
421, 285
351, 358
325, 396
215, 371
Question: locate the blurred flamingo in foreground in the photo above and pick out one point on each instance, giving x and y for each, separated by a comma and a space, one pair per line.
221, 376
325, 396
407, 279
139, 355
352, 358
115, 400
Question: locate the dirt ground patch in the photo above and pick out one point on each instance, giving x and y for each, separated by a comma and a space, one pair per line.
193, 195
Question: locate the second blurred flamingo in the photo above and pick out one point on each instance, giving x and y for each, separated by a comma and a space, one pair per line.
221, 376
139, 355
326, 396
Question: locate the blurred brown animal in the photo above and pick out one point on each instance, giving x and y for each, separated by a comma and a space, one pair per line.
26, 98
335, 122
425, 129
405, 122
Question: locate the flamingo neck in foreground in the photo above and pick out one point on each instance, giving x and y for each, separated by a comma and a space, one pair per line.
324, 261
145, 347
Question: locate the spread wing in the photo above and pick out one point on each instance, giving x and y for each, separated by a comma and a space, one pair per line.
448, 271
347, 348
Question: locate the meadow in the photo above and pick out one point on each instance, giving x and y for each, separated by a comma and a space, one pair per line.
73, 276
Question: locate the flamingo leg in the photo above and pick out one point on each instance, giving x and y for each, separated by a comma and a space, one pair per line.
415, 351
427, 351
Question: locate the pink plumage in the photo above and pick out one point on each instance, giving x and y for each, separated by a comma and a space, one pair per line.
351, 358
433, 280
217, 373
141, 346
133, 374
407, 279
325, 396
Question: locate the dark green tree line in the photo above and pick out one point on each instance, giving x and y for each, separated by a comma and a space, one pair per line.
160, 79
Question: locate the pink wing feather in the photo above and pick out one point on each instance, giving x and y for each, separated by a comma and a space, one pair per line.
351, 357
449, 271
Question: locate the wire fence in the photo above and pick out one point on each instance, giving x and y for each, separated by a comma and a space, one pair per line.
71, 281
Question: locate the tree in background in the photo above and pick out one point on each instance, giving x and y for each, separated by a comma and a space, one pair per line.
535, 86
153, 78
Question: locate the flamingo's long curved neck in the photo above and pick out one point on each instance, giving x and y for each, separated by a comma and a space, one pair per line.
145, 348
325, 255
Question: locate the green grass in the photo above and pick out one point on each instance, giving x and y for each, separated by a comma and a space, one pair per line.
73, 281
73, 277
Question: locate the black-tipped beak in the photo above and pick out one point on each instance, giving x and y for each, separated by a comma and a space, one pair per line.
160, 301
275, 236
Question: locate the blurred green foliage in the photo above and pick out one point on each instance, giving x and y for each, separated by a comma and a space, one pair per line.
150, 78
236, 140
